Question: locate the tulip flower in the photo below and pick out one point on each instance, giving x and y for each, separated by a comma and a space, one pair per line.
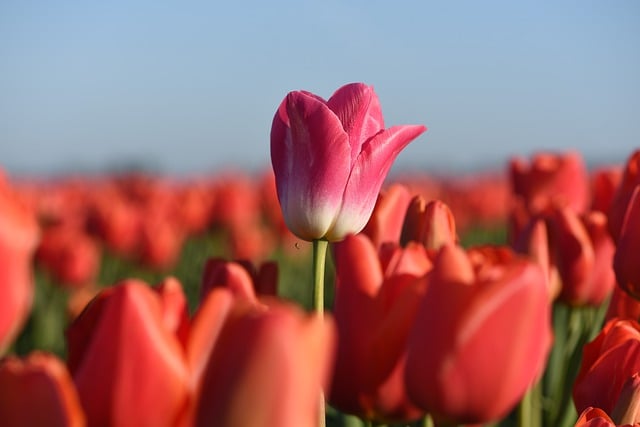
481, 335
128, 366
431, 224
19, 235
607, 363
625, 261
376, 299
268, 368
595, 417
330, 159
242, 278
627, 409
630, 180
622, 305
604, 183
38, 391
385, 224
551, 178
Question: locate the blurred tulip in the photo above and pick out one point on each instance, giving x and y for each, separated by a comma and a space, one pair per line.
128, 367
375, 305
19, 235
330, 159
38, 391
607, 363
627, 252
630, 180
551, 178
431, 224
627, 409
492, 338
604, 183
241, 277
595, 417
160, 242
70, 255
385, 224
623, 306
583, 253
267, 369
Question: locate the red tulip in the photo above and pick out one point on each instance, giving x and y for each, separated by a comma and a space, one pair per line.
330, 159
627, 254
38, 391
431, 224
595, 417
481, 336
604, 183
70, 255
241, 277
607, 363
385, 224
267, 369
375, 305
128, 367
627, 409
551, 178
18, 239
630, 180
622, 305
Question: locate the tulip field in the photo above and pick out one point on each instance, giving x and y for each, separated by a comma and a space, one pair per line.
323, 291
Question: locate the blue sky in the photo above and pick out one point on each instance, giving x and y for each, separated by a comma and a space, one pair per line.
191, 87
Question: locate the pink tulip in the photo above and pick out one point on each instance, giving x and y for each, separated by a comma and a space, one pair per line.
481, 335
38, 391
330, 159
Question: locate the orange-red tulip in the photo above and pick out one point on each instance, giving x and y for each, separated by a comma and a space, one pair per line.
241, 277
267, 369
38, 391
18, 239
128, 367
607, 363
375, 305
385, 224
627, 255
551, 178
481, 336
431, 224
595, 417
630, 180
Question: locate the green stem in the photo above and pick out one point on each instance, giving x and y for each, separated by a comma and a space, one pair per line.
319, 260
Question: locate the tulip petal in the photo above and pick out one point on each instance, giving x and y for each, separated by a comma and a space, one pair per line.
367, 176
310, 175
358, 108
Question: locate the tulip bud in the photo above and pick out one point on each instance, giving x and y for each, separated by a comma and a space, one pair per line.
431, 224
625, 261
630, 180
627, 409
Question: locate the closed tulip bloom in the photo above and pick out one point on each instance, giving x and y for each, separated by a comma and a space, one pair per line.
630, 180
330, 159
481, 336
607, 363
551, 178
430, 223
128, 366
595, 417
19, 235
38, 391
377, 296
385, 224
627, 252
268, 368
